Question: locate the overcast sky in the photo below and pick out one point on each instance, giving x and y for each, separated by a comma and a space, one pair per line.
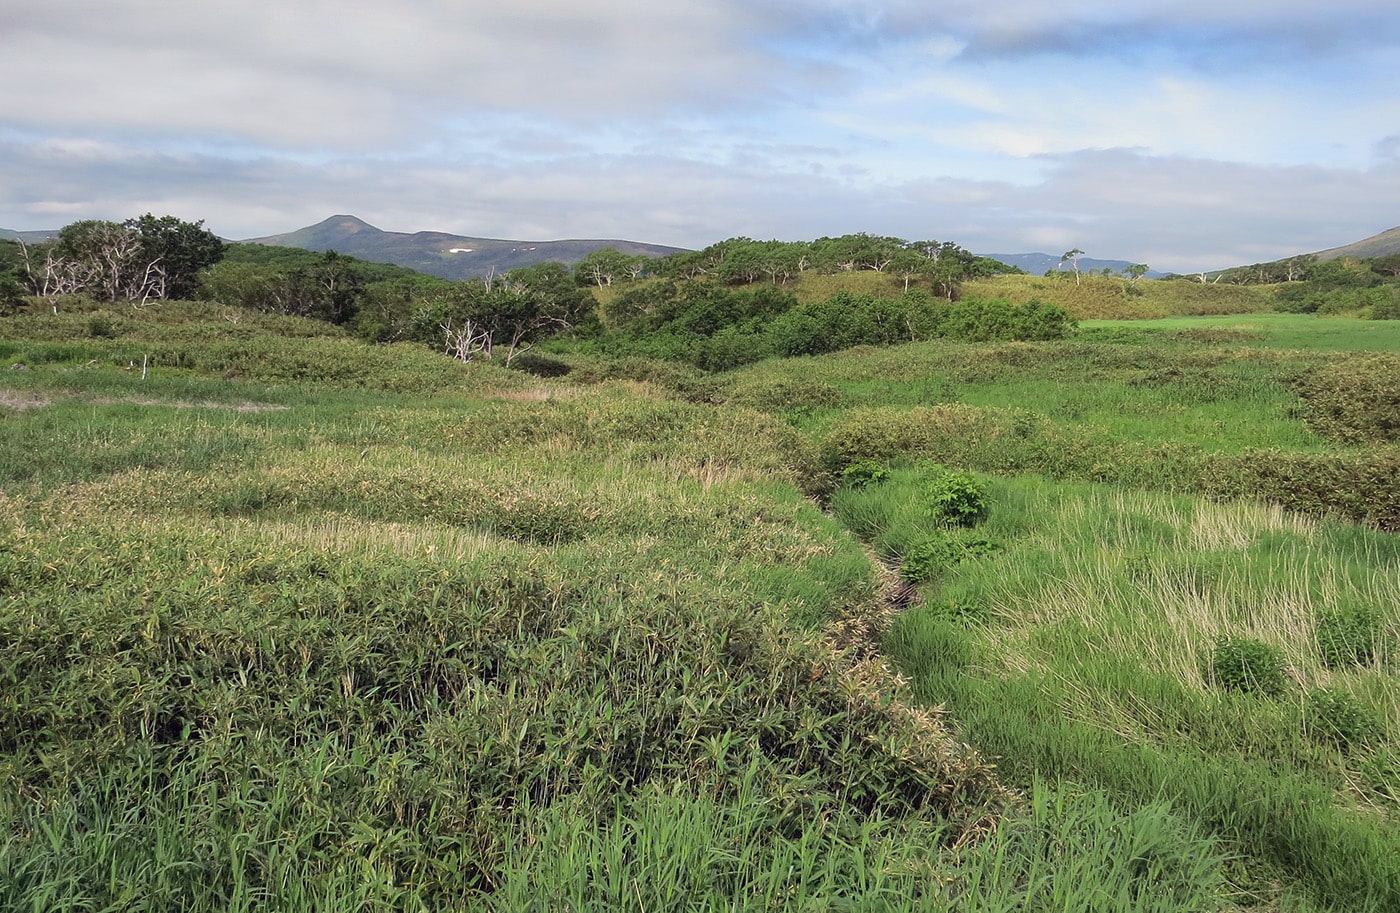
1187, 134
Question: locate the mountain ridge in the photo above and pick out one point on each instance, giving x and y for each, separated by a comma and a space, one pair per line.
1378, 245
452, 256
1038, 263
442, 254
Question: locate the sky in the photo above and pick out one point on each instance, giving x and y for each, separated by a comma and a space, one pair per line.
1186, 134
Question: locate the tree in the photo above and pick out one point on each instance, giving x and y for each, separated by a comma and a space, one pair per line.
1388, 265
1295, 267
602, 267
135, 260
181, 248
1072, 257
1136, 272
856, 252
910, 264
482, 318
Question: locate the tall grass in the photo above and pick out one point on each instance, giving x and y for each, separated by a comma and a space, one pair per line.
1081, 647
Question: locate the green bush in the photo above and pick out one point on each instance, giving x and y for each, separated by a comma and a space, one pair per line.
1337, 718
1248, 666
1355, 400
978, 320
1351, 637
863, 473
102, 326
785, 395
1387, 308
956, 498
1357, 486
540, 365
930, 558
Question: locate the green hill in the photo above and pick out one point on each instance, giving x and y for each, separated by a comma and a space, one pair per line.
1381, 245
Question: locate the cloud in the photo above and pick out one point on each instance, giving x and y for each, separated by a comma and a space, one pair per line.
1176, 213
1186, 214
332, 75
1205, 32
1133, 129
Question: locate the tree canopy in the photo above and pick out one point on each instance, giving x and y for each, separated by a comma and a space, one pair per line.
137, 260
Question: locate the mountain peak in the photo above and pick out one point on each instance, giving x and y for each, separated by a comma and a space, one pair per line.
346, 223
441, 254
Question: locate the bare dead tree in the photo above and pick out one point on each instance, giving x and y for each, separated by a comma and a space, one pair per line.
152, 284
468, 341
57, 276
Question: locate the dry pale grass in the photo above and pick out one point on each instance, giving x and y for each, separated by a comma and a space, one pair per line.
358, 537
1237, 525
245, 406
20, 400
536, 394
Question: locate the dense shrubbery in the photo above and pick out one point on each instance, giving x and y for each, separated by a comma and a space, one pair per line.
538, 640
1342, 287
717, 328
1354, 399
299, 707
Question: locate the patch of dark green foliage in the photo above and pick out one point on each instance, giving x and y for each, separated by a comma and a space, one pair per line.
1350, 638
1248, 666
716, 328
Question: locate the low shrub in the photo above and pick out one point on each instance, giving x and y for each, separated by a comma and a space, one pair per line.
769, 394
863, 473
1337, 718
1350, 637
931, 557
1388, 309
1249, 666
540, 365
987, 320
956, 498
1355, 486
1355, 400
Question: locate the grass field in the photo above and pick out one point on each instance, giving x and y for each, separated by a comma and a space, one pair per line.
290, 622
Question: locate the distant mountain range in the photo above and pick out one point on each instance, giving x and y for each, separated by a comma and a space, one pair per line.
459, 257
440, 254
1040, 264
28, 237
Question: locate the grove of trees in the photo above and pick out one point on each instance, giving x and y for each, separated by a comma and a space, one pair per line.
725, 305
139, 260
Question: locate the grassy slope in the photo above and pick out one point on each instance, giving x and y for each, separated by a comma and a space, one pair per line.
296, 622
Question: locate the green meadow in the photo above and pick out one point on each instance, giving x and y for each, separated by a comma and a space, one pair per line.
290, 621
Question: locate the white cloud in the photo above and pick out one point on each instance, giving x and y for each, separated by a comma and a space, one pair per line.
1181, 132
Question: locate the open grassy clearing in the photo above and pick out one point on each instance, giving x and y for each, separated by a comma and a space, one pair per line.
418, 635
1107, 298
1304, 333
